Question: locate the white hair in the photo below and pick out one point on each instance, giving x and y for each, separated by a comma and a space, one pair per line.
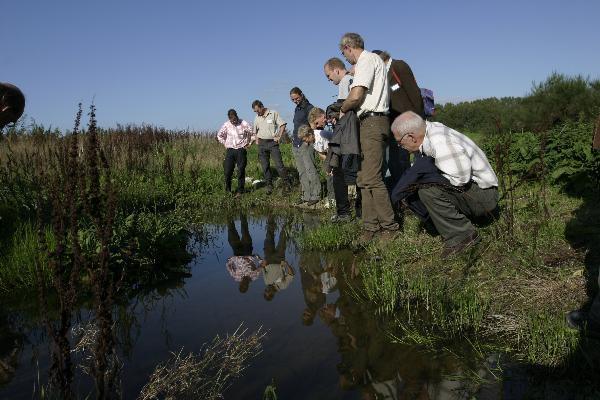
407, 122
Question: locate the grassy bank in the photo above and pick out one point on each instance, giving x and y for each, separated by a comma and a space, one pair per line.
164, 184
535, 264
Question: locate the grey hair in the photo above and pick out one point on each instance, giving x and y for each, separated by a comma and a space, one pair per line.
304, 131
352, 40
407, 122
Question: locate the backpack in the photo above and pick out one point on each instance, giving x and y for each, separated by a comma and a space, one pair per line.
428, 102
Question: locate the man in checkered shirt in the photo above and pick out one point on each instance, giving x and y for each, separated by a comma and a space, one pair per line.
473, 189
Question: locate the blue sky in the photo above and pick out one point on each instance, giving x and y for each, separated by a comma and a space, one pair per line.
181, 64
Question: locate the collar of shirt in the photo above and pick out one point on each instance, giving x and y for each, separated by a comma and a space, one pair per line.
388, 65
425, 147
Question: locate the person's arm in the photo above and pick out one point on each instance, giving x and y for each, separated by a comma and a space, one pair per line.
249, 132
280, 132
354, 100
222, 134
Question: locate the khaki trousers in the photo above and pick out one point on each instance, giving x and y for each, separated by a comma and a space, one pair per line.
377, 212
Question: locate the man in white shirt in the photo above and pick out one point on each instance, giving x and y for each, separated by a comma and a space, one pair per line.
369, 97
473, 189
268, 128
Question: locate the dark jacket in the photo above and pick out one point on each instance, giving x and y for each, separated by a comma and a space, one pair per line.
422, 172
407, 95
346, 134
300, 118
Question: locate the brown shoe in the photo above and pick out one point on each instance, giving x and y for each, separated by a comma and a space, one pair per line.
365, 238
470, 241
388, 235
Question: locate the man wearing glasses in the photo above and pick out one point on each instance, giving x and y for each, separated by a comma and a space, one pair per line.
12, 104
369, 97
472, 189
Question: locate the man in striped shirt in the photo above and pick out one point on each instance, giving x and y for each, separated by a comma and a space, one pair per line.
236, 136
473, 189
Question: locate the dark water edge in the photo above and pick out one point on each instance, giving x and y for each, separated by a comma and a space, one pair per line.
318, 345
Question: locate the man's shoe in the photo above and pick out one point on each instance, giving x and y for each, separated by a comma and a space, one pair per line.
269, 189
340, 219
470, 241
388, 235
581, 321
300, 202
311, 203
365, 238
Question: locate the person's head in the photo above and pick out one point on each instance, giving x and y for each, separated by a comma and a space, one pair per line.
308, 317
258, 108
12, 104
245, 284
296, 95
384, 55
306, 134
334, 69
409, 130
269, 292
351, 46
233, 117
316, 118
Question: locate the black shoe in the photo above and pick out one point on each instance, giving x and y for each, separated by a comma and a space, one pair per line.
312, 202
580, 320
269, 189
300, 202
470, 241
340, 219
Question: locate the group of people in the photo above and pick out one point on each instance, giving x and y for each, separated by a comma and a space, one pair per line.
377, 121
245, 266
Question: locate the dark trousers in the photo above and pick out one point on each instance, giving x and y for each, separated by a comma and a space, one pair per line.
451, 211
233, 157
398, 161
274, 254
266, 148
340, 190
240, 246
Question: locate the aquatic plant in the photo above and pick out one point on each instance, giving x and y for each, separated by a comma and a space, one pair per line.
205, 375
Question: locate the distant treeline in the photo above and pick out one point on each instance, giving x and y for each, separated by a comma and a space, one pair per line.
551, 103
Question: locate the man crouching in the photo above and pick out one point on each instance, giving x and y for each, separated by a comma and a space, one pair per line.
472, 186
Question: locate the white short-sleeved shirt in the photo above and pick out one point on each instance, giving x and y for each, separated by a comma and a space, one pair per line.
370, 73
344, 87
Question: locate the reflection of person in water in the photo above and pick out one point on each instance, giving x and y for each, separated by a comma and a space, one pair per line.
10, 349
243, 266
277, 273
310, 272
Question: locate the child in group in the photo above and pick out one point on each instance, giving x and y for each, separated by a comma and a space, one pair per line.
322, 133
320, 145
337, 187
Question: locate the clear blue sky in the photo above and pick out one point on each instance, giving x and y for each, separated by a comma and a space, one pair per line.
182, 64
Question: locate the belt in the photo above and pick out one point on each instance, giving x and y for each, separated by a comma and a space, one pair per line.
373, 114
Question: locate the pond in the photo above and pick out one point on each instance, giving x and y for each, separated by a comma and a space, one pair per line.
320, 343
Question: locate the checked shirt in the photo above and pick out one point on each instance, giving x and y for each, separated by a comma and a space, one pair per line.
458, 158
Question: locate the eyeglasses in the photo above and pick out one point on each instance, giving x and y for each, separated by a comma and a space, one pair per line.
399, 141
344, 48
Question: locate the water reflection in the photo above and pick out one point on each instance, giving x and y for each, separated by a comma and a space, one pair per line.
322, 342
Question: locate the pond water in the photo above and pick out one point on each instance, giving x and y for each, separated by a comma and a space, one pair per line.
320, 343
